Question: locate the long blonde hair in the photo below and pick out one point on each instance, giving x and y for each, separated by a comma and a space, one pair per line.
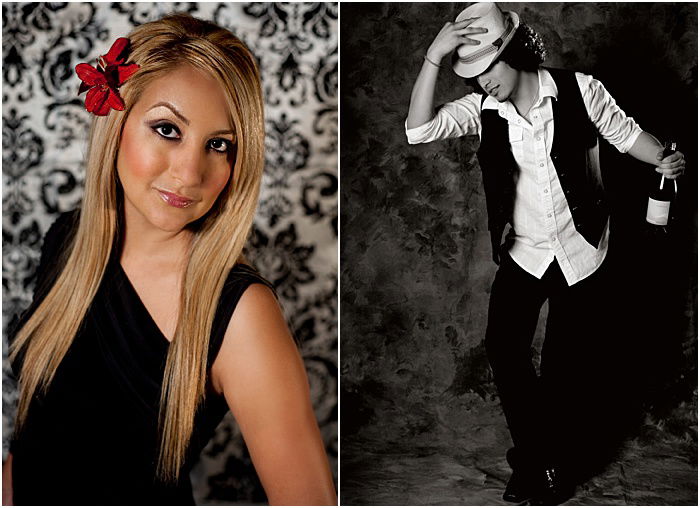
158, 47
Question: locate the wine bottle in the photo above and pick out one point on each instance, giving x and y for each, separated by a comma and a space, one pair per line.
662, 193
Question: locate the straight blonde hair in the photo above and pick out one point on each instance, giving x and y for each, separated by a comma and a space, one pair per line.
158, 47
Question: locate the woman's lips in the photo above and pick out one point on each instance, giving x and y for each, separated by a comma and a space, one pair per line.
174, 199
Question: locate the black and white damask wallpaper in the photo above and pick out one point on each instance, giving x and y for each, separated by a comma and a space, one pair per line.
294, 243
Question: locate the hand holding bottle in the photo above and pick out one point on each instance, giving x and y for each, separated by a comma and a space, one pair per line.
671, 163
664, 188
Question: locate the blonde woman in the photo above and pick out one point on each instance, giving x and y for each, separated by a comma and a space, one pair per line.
147, 325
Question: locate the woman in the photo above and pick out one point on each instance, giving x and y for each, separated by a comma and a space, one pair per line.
146, 325
538, 153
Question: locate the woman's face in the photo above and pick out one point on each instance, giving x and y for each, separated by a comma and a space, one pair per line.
499, 81
177, 150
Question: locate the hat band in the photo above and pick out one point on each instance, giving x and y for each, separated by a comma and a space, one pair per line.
492, 48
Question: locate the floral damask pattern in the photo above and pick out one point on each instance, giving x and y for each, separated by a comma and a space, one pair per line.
294, 242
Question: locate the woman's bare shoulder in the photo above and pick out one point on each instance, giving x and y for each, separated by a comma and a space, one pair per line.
257, 341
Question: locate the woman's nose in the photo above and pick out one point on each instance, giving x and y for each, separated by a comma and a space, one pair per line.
188, 165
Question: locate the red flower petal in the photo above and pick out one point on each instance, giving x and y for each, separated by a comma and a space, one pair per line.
117, 53
124, 72
95, 99
90, 75
103, 110
103, 83
115, 101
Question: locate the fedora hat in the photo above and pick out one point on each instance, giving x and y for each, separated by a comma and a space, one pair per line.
471, 60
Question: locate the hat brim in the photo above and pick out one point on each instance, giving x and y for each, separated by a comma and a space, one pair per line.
472, 69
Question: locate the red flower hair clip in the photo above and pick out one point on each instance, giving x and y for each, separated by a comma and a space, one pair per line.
103, 83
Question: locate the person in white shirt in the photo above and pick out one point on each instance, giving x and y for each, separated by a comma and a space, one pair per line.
549, 189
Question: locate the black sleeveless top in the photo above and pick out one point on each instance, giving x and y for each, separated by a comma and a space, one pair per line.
93, 438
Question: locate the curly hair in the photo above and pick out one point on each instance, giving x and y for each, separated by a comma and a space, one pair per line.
525, 52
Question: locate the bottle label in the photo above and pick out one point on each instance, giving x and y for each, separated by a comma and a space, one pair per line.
657, 212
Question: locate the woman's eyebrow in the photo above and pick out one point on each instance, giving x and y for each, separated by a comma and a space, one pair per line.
224, 131
184, 118
173, 109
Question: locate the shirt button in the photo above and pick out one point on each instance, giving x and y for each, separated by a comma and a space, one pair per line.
554, 238
538, 138
541, 164
518, 120
546, 191
549, 215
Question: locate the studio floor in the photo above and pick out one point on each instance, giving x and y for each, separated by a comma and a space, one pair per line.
461, 462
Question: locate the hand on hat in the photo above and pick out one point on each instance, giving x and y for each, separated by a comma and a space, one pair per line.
452, 35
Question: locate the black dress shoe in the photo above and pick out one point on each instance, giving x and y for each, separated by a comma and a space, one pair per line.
551, 489
518, 489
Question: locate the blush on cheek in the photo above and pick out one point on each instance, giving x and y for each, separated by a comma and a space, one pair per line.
218, 183
137, 158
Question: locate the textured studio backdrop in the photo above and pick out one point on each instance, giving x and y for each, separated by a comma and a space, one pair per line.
294, 243
420, 417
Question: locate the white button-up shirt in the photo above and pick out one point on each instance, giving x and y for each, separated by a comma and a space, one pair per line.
543, 228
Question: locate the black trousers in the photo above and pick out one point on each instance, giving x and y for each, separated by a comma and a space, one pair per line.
551, 416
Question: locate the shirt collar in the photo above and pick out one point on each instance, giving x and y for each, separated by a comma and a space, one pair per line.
548, 88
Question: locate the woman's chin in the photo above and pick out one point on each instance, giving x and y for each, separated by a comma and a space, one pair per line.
171, 221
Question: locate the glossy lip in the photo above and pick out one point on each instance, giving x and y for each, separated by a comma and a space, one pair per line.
493, 90
174, 199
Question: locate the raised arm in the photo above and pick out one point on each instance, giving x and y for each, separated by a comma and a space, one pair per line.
452, 35
262, 376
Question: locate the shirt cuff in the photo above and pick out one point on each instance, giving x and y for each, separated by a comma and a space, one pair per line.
629, 142
418, 134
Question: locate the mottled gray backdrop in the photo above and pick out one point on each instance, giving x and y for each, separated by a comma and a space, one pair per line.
420, 418
294, 242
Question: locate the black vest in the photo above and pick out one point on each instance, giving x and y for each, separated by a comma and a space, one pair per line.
574, 154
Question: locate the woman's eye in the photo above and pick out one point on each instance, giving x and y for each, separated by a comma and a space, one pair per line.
219, 145
166, 130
